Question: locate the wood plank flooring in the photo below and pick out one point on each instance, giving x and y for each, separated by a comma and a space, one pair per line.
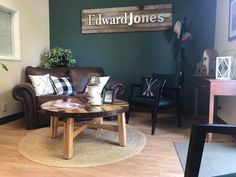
158, 159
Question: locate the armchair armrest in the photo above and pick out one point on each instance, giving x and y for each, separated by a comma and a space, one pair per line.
173, 91
117, 87
25, 93
196, 144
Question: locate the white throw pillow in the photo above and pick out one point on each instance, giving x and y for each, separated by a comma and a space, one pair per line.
101, 85
103, 82
42, 84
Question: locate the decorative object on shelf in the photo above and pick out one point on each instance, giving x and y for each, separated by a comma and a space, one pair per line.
184, 37
232, 26
95, 86
108, 96
4, 66
207, 66
177, 28
58, 57
224, 68
93, 90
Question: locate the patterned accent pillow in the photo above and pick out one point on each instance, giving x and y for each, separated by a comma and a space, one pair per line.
62, 85
150, 86
41, 84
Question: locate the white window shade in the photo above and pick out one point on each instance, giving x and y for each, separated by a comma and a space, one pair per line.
6, 43
9, 34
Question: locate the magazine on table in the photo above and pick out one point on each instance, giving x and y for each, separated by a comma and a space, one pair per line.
69, 105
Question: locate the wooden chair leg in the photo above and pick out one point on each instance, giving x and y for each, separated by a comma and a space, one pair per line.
127, 116
154, 122
179, 119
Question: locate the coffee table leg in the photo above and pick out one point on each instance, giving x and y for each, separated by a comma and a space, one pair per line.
99, 120
53, 126
68, 138
122, 129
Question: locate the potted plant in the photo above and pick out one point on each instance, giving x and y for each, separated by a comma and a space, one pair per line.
58, 57
94, 90
4, 66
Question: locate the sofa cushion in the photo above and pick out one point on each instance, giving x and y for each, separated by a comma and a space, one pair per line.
58, 72
42, 84
79, 76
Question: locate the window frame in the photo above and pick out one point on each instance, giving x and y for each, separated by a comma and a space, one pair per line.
15, 30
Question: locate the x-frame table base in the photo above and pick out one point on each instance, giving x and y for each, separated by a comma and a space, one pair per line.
70, 132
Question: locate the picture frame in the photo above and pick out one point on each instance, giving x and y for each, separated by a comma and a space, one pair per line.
232, 20
224, 67
108, 96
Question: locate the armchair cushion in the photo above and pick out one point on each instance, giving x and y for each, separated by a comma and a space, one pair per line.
150, 102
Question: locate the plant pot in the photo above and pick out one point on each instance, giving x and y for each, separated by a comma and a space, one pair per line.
94, 95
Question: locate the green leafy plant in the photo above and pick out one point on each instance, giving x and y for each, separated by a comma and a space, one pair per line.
56, 57
4, 66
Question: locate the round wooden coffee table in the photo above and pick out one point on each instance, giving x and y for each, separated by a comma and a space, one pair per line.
78, 108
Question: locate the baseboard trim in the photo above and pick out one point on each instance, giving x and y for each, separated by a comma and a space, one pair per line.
10, 118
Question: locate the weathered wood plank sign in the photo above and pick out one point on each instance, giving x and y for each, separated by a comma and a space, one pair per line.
127, 19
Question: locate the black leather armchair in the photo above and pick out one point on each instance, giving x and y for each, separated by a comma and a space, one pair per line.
168, 96
196, 145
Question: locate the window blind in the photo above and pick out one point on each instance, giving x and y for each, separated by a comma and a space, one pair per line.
6, 45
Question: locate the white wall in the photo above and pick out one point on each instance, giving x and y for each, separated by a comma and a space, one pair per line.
222, 45
34, 40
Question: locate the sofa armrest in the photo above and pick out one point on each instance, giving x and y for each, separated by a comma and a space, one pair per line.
25, 93
117, 87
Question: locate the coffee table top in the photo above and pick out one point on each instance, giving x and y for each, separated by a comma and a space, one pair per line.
80, 108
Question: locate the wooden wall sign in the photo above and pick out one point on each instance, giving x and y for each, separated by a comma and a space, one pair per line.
127, 19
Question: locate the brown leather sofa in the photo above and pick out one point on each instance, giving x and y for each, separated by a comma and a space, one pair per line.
25, 92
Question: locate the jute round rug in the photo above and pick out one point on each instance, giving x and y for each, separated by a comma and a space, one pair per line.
91, 147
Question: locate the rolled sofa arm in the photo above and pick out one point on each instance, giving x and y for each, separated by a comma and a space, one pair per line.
117, 87
25, 93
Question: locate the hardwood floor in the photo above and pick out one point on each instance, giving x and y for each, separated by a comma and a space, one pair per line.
158, 159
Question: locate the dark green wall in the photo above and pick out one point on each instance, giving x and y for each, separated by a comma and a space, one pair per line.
202, 17
124, 56
128, 56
